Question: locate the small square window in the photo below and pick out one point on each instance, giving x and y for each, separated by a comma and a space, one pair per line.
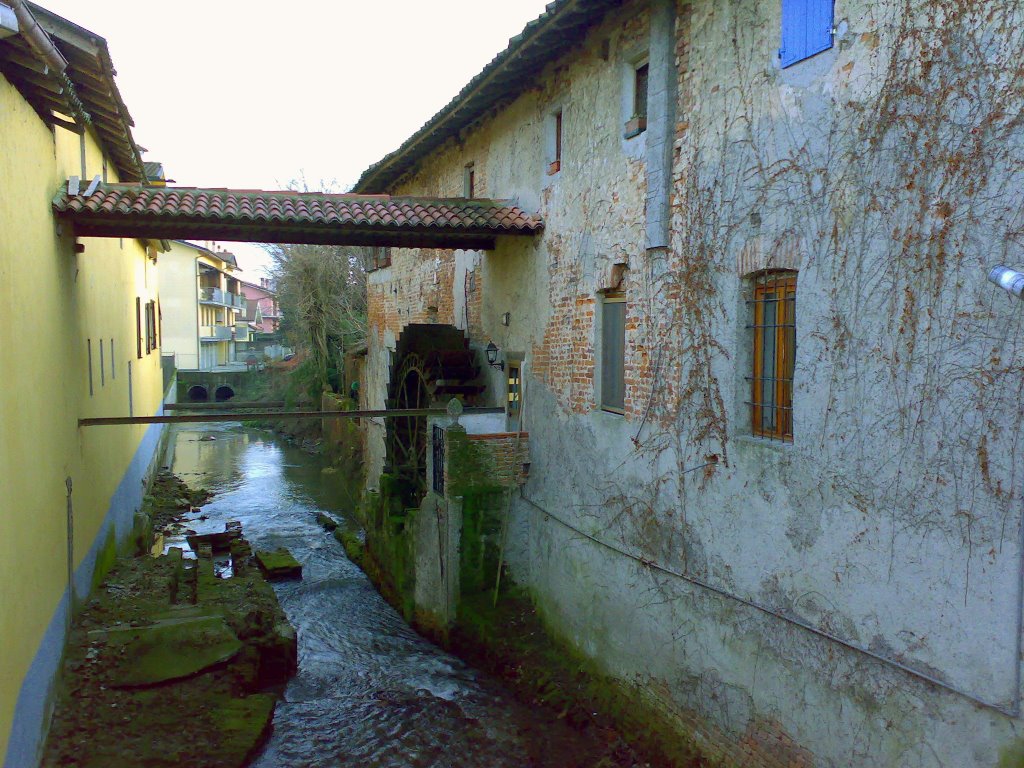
773, 335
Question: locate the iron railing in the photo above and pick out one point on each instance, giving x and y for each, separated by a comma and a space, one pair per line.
438, 456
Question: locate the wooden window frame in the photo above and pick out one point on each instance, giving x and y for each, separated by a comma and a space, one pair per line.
138, 327
613, 297
641, 91
151, 337
777, 318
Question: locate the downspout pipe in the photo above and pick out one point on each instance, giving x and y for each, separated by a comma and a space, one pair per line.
662, 93
37, 38
43, 46
1012, 281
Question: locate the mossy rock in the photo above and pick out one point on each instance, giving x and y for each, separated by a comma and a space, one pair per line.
353, 546
279, 564
171, 650
326, 521
245, 725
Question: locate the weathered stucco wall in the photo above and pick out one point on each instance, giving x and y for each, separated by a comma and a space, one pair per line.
850, 598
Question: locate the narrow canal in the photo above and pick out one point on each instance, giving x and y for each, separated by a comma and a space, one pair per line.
369, 691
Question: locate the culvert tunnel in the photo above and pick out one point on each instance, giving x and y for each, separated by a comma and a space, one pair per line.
197, 393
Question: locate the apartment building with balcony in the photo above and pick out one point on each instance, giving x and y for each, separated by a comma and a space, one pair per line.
263, 310
202, 307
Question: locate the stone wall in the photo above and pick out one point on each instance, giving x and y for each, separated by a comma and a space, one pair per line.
851, 597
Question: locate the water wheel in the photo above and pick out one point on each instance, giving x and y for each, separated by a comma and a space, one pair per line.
407, 435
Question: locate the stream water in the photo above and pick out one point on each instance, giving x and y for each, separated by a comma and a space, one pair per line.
369, 691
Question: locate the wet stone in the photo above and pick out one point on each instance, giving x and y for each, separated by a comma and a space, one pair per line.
170, 650
279, 564
218, 542
326, 521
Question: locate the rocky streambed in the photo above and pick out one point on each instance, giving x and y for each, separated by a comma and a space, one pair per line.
174, 661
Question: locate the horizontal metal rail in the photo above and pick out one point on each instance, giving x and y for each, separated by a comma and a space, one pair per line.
277, 415
226, 405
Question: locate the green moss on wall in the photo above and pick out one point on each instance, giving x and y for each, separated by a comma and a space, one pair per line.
471, 475
1013, 755
105, 559
511, 640
388, 553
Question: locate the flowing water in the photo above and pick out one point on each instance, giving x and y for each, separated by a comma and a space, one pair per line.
369, 691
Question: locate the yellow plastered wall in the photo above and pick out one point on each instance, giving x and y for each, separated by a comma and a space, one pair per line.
179, 297
54, 306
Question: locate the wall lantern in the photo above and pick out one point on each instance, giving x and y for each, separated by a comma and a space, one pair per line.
1008, 279
492, 357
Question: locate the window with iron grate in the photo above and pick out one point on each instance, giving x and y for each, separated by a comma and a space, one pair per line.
773, 335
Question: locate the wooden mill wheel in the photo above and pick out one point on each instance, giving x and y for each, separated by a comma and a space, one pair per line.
408, 434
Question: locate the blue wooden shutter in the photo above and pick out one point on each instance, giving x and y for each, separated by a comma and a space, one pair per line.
806, 29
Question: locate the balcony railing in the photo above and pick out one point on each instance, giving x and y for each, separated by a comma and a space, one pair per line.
221, 297
211, 295
242, 332
215, 333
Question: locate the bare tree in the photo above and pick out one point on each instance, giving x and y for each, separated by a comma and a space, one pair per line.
322, 294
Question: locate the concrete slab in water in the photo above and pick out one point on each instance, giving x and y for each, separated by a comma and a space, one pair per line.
279, 564
171, 649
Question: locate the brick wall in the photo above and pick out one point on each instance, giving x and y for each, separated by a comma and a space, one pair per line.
506, 454
509, 451
419, 287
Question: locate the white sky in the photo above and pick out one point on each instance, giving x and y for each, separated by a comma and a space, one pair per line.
251, 95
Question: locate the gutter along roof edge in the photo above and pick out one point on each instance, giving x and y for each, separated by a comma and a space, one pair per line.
119, 145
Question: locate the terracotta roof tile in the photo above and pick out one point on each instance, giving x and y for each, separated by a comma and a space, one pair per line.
178, 211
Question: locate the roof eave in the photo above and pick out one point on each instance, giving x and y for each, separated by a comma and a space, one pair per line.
477, 238
504, 78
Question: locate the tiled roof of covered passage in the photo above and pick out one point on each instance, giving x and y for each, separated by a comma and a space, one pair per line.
131, 210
